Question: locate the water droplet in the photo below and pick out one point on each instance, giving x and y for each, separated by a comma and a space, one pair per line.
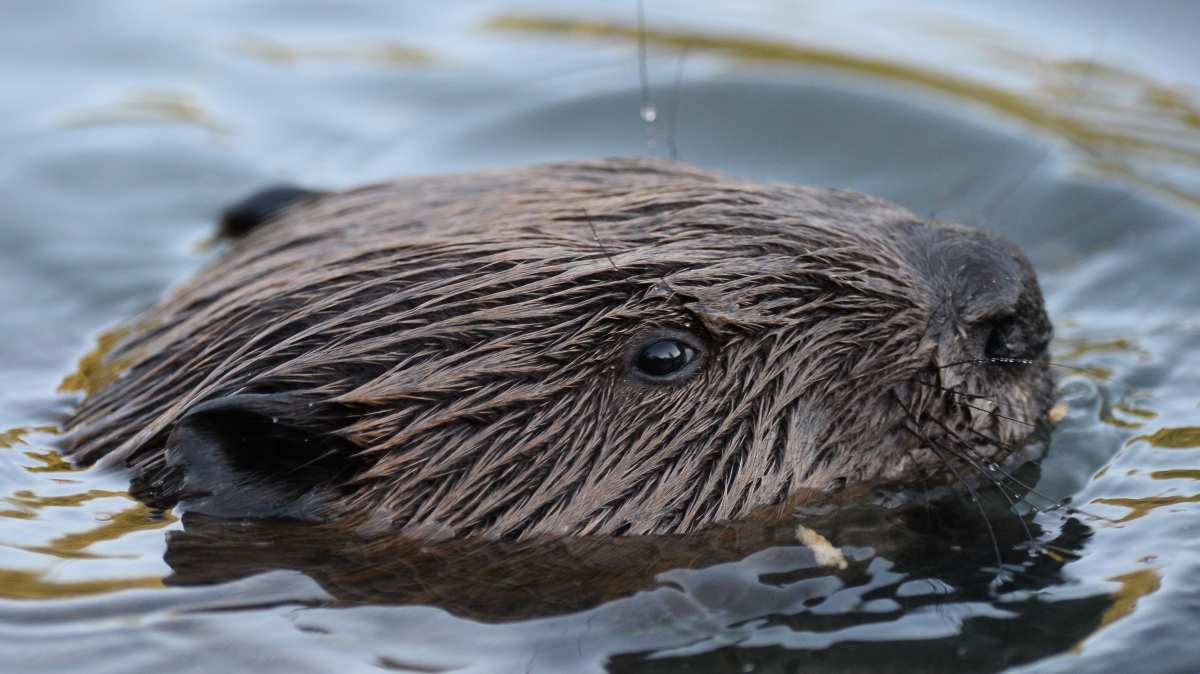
649, 113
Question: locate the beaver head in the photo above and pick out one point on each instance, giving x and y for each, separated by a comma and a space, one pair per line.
599, 347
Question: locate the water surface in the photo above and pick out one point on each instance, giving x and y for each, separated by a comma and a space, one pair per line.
1072, 128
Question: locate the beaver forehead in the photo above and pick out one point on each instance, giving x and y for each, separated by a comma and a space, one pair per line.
648, 220
628, 202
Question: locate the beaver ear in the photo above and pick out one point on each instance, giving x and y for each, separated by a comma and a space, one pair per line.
263, 205
241, 458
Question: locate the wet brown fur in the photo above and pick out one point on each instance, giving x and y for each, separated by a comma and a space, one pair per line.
470, 337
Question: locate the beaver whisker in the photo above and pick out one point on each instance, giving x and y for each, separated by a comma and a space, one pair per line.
936, 311
1012, 506
648, 113
603, 249
1085, 335
995, 467
991, 463
1004, 490
997, 414
976, 396
1009, 361
949, 194
673, 104
320, 457
1081, 94
920, 473
1073, 368
915, 430
1054, 505
987, 471
1007, 193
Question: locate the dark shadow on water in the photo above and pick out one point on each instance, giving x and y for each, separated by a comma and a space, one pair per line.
1036, 630
909, 588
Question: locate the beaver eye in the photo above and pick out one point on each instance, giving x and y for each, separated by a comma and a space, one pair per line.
665, 358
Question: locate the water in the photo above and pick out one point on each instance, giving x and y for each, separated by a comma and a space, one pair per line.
1071, 128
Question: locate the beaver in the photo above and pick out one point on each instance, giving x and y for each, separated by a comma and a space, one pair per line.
603, 347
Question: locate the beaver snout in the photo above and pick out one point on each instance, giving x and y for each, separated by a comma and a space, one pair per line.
986, 382
985, 294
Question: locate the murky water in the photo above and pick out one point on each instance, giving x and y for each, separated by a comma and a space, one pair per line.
1072, 128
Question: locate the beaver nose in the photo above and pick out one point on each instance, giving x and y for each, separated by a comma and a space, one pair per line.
985, 293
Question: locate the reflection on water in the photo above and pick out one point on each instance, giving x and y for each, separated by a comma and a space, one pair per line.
1134, 586
63, 538
149, 106
108, 183
1123, 123
535, 578
1140, 507
28, 585
93, 371
278, 53
16, 436
1173, 438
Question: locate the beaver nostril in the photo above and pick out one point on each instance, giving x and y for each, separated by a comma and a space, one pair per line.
1000, 342
1017, 337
